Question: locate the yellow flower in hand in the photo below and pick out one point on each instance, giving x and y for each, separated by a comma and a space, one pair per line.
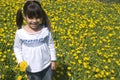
23, 66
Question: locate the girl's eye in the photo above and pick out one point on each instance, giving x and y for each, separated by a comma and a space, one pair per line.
34, 17
37, 18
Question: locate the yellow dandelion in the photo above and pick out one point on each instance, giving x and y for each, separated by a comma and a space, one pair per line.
6, 67
26, 76
69, 74
86, 58
95, 69
23, 66
112, 71
19, 77
79, 62
69, 68
106, 67
112, 78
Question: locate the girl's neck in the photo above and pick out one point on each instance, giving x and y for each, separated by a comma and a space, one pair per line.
31, 30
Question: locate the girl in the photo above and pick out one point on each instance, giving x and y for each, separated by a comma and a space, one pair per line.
33, 42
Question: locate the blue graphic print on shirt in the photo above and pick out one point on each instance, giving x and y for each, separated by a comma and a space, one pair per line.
34, 42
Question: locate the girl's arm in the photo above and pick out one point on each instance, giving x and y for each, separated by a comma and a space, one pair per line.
52, 48
52, 52
18, 48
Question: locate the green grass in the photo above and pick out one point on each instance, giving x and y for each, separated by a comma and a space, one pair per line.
86, 36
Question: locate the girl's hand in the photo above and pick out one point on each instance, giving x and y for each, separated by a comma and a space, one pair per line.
53, 65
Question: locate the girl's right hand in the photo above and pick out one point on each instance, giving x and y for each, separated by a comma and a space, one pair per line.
53, 65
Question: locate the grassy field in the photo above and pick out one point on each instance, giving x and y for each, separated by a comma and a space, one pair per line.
86, 35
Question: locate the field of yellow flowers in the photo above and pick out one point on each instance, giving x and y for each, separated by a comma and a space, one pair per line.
86, 35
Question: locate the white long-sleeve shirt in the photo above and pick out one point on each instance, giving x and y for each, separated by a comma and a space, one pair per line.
36, 49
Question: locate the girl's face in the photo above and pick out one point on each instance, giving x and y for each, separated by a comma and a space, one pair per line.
34, 23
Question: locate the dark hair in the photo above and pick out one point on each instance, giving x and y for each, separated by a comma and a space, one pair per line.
32, 9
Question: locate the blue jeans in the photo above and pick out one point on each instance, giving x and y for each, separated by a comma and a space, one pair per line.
46, 74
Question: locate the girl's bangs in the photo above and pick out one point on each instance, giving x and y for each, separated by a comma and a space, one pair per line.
34, 13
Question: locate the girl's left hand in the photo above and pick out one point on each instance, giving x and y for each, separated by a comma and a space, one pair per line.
53, 65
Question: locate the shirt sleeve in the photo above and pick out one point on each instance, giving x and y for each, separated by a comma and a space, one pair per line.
18, 48
51, 47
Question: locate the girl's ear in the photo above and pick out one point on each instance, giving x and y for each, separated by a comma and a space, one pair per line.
41, 20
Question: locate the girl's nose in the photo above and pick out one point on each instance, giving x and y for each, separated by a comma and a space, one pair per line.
34, 19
